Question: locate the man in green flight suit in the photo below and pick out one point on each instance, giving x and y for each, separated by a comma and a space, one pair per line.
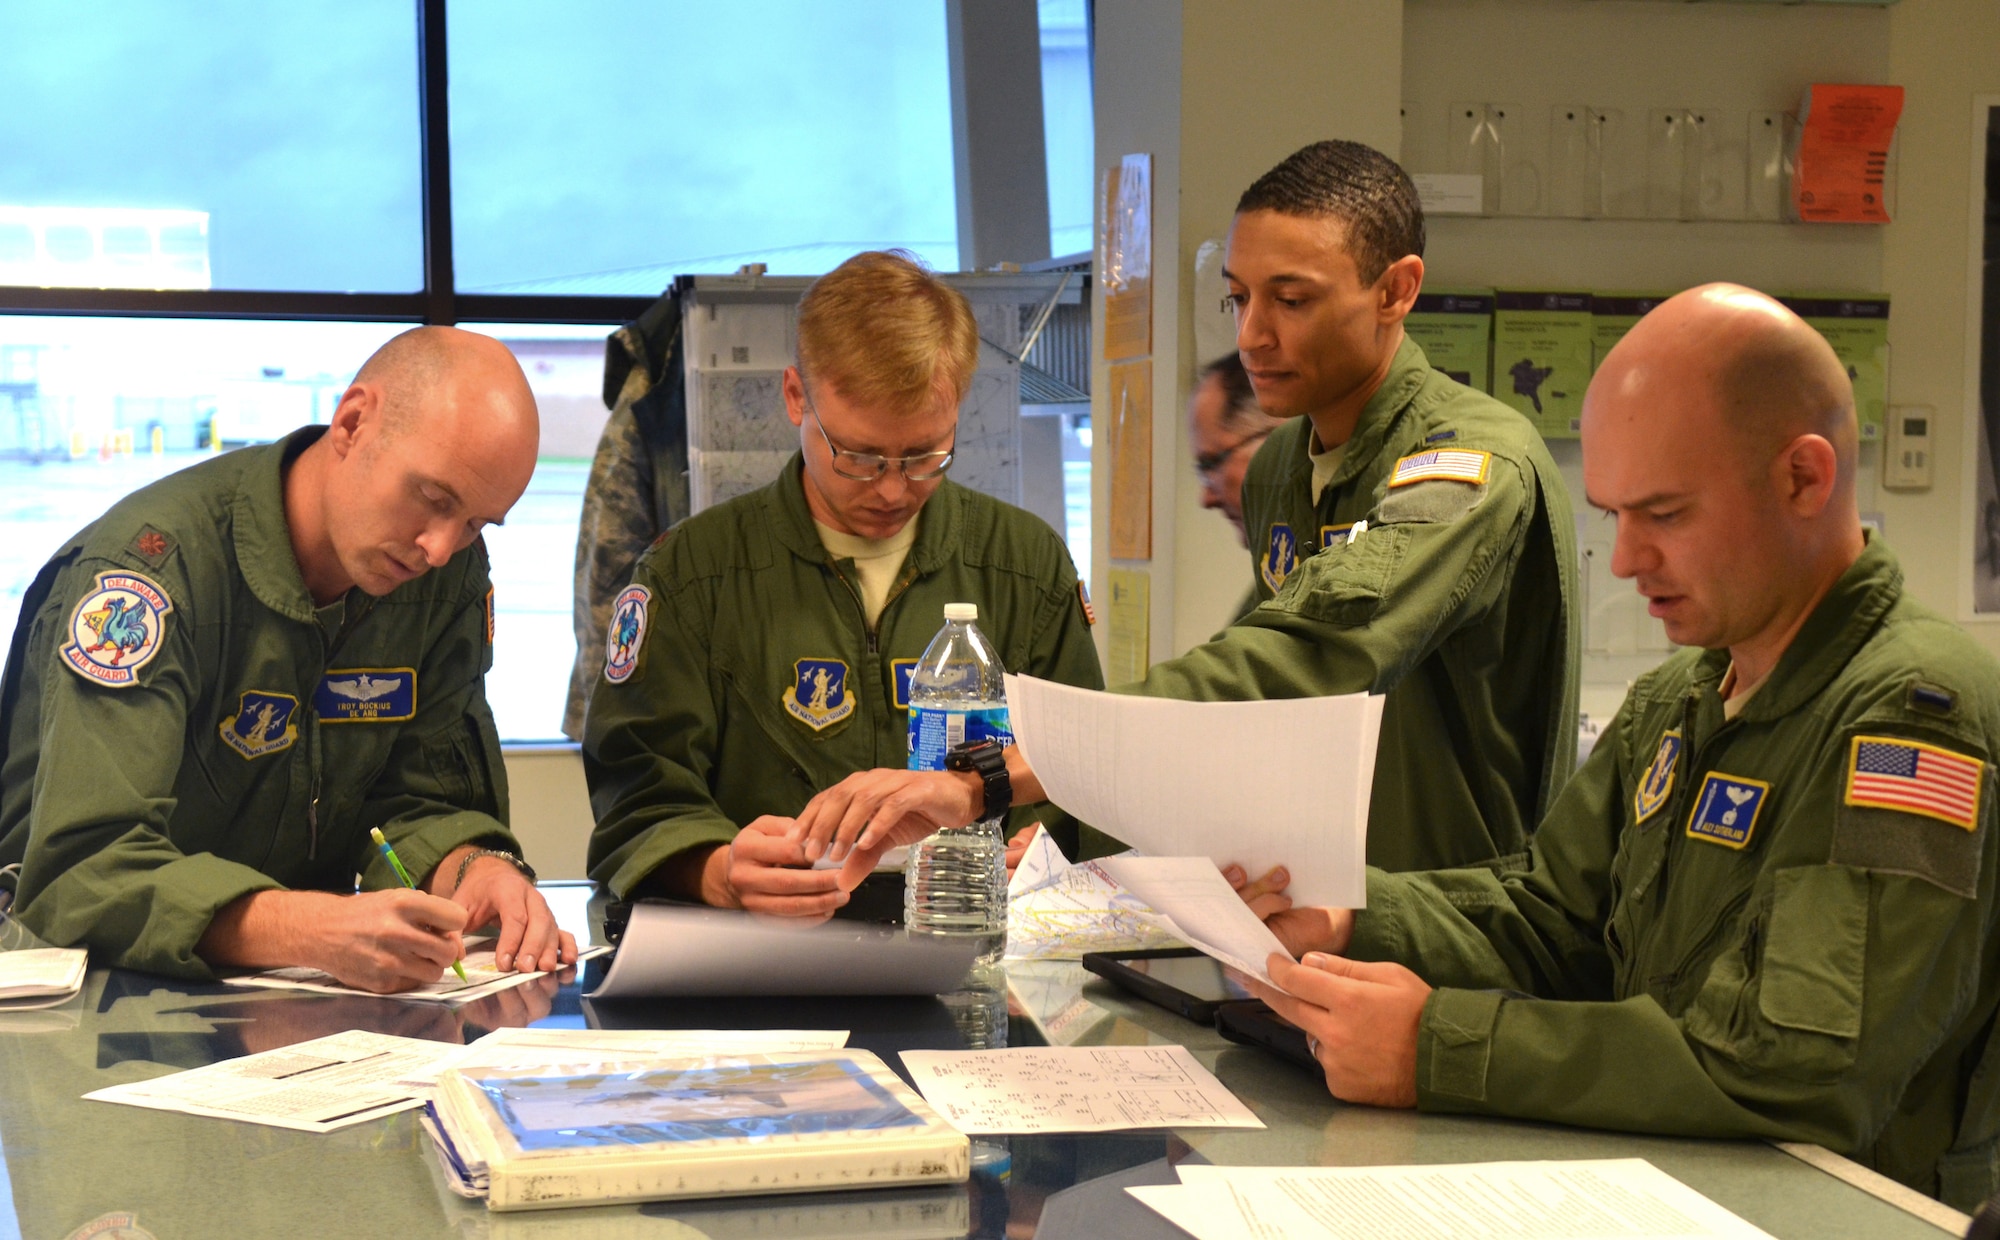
218, 687
1765, 907
1412, 535
764, 647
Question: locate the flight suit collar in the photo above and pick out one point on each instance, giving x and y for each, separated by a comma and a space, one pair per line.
264, 552
937, 532
1837, 629
1379, 416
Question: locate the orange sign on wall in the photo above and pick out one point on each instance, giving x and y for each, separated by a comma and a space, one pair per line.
1843, 152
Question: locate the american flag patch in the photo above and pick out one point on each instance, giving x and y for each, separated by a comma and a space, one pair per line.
1442, 465
1887, 773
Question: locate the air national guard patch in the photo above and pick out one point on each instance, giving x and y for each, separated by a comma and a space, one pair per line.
366, 695
625, 635
1281, 556
1886, 772
1442, 465
1726, 811
818, 696
1658, 782
263, 723
117, 629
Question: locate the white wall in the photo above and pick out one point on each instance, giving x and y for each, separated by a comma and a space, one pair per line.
551, 808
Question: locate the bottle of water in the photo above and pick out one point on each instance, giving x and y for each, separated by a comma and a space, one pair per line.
956, 880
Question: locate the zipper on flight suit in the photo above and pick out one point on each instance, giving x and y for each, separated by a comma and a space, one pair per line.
350, 617
1682, 803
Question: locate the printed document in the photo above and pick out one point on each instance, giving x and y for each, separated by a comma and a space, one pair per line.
1150, 772
1059, 911
1202, 908
482, 977
38, 977
1074, 1089
1609, 1199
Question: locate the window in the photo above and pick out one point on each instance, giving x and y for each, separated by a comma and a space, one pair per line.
1068, 123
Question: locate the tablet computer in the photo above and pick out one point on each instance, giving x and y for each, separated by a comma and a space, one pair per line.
1179, 979
1252, 1023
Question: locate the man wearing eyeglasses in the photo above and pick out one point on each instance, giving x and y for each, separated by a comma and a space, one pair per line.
1225, 429
762, 652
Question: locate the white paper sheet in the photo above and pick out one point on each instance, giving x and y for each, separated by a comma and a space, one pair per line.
1192, 894
1609, 1199
40, 976
1074, 1089
1258, 783
680, 949
317, 1086
482, 978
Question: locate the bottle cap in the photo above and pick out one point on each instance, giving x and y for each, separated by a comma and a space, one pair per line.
961, 611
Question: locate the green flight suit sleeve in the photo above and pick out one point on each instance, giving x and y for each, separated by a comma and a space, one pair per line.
1359, 615
650, 744
100, 869
1808, 1025
445, 783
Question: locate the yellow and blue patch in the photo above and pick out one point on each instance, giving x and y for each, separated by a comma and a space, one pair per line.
264, 723
1442, 465
1328, 533
818, 696
366, 695
625, 633
1726, 811
116, 629
1281, 556
1657, 784
900, 671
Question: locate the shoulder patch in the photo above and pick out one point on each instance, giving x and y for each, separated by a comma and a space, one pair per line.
625, 634
1726, 811
1888, 772
151, 545
1281, 556
1082, 596
1658, 782
489, 615
117, 629
1442, 465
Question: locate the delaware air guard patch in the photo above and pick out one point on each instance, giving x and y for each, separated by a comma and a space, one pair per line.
625, 635
1442, 465
1281, 556
1886, 772
263, 723
818, 695
366, 695
1658, 783
1726, 811
117, 629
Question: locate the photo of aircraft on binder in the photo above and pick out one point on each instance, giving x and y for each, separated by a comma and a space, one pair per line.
659, 1129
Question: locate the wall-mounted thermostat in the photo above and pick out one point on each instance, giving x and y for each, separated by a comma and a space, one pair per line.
1907, 457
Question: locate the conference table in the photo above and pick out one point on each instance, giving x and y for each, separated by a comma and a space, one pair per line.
74, 1168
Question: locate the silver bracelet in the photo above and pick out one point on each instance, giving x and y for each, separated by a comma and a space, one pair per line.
527, 870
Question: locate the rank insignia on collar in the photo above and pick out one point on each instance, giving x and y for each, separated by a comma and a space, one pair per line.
625, 635
1281, 556
366, 695
263, 723
117, 629
1726, 811
818, 696
1442, 465
1657, 784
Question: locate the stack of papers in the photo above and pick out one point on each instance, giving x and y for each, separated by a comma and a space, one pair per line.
1610, 1199
40, 977
1059, 911
482, 977
1075, 1089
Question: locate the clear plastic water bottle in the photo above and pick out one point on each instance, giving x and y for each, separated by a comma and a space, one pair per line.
956, 880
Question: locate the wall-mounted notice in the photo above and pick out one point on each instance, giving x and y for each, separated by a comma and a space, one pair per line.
1125, 258
1541, 357
1843, 153
1131, 626
1455, 329
1129, 418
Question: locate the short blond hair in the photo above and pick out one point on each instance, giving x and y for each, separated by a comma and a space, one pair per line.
883, 331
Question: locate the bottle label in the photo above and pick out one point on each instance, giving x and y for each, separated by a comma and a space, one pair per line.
935, 731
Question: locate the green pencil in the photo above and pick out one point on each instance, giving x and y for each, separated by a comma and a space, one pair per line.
396, 863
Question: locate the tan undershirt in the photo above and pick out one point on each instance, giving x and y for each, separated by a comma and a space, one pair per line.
876, 561
1325, 464
1734, 699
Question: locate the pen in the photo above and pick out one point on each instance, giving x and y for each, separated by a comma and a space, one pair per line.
396, 863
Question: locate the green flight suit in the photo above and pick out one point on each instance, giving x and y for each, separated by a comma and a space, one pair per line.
708, 720
1820, 968
1458, 601
244, 742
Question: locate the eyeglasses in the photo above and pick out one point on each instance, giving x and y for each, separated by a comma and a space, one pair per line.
871, 466
1210, 462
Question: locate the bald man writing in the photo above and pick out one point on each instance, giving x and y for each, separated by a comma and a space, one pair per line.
218, 688
1765, 906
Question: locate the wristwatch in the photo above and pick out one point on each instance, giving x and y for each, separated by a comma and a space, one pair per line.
527, 870
988, 760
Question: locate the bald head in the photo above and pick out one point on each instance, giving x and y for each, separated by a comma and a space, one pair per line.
431, 371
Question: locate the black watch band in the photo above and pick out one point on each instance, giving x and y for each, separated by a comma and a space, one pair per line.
988, 760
